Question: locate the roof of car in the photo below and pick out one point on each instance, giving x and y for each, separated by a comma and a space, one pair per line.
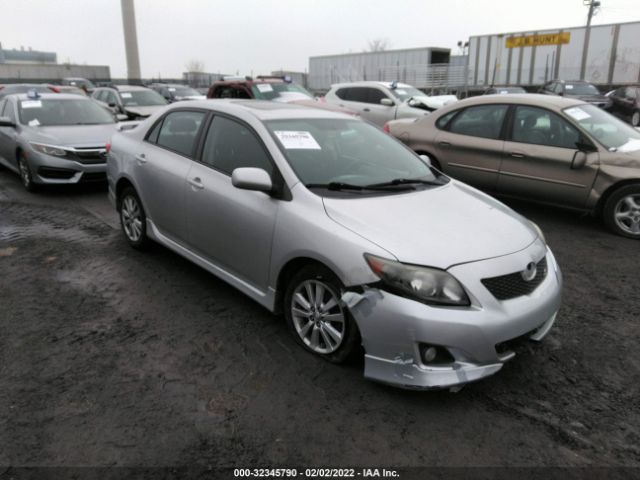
370, 83
125, 88
549, 101
47, 96
264, 109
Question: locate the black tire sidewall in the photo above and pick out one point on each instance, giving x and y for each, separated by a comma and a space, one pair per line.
351, 336
32, 186
608, 211
143, 241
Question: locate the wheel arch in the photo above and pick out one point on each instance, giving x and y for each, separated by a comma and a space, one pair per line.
610, 190
121, 184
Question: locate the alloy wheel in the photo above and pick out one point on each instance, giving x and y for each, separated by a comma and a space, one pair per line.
318, 317
627, 214
131, 215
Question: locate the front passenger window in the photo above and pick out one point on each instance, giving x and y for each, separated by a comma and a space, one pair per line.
230, 145
541, 127
179, 131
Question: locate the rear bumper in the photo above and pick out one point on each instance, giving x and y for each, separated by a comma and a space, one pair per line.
394, 328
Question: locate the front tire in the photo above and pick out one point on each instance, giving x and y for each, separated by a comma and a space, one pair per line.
25, 174
133, 219
316, 316
621, 213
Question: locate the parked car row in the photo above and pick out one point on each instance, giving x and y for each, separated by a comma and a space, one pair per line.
312, 210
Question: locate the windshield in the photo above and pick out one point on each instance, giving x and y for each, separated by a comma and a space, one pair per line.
323, 151
279, 91
142, 98
405, 93
580, 89
184, 92
46, 112
613, 134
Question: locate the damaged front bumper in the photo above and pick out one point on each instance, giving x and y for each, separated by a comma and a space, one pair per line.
394, 329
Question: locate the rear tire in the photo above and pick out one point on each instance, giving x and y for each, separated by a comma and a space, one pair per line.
621, 212
25, 174
316, 316
133, 219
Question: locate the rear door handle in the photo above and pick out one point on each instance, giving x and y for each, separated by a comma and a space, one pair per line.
366, 110
517, 155
141, 158
444, 144
196, 183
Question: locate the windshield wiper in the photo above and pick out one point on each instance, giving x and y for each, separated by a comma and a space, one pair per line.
403, 181
335, 186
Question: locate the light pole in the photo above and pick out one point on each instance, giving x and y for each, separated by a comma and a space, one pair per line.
594, 6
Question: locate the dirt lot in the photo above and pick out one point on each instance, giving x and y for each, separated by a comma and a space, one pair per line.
109, 356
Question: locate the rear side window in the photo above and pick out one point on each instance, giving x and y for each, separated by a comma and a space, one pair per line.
179, 131
480, 121
374, 95
230, 145
442, 122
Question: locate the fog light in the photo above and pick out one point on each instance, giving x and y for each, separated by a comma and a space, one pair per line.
429, 354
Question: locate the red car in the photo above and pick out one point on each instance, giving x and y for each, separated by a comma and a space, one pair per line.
277, 89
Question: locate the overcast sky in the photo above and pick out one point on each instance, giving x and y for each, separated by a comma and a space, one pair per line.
258, 36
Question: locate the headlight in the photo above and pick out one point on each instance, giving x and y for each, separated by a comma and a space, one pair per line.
538, 231
428, 285
49, 150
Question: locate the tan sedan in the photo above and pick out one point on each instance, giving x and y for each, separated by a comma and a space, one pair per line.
536, 147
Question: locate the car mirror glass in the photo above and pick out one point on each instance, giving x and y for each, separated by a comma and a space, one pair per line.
387, 102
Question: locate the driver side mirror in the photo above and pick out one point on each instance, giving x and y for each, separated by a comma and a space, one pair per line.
387, 102
248, 178
579, 160
112, 104
6, 122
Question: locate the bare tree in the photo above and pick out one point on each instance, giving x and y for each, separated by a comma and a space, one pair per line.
194, 66
377, 45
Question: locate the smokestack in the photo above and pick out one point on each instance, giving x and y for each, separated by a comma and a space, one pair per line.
130, 40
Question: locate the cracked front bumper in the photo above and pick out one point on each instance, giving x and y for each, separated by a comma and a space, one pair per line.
394, 327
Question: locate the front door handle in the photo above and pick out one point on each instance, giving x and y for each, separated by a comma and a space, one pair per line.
141, 158
366, 110
196, 183
444, 144
517, 155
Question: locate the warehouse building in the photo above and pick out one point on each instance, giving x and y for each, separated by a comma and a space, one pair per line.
32, 66
427, 68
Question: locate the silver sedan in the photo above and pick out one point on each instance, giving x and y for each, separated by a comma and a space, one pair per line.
355, 238
54, 138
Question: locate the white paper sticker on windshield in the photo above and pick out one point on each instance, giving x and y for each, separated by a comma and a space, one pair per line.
171, 89
264, 87
34, 122
297, 140
504, 92
569, 87
401, 92
577, 113
31, 104
125, 95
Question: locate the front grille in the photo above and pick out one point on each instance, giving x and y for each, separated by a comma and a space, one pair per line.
513, 285
94, 177
56, 173
90, 156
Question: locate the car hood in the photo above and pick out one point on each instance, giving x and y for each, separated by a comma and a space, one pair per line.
72, 135
144, 111
436, 101
438, 227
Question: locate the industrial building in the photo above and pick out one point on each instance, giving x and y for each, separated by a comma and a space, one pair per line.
427, 68
32, 66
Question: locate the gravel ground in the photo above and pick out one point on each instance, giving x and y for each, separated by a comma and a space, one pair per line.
109, 356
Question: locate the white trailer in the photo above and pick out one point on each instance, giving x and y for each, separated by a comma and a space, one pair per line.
604, 55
